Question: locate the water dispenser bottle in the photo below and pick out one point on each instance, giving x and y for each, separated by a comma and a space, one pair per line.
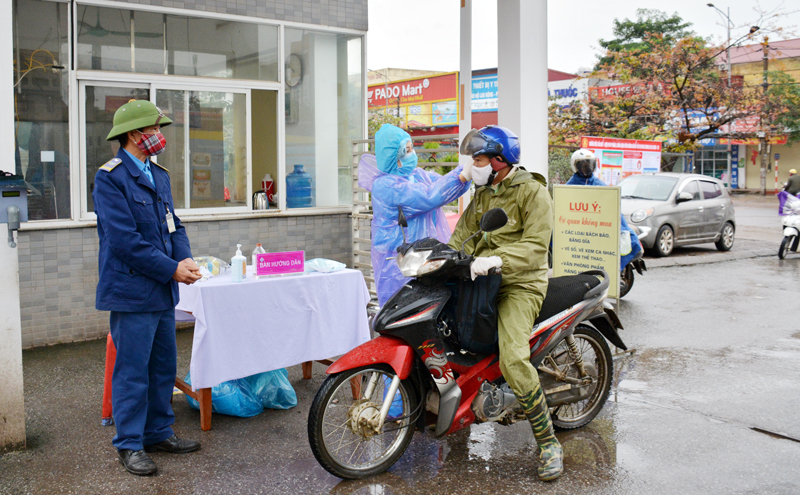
298, 188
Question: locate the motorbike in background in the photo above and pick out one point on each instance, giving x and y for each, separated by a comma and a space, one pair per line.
789, 209
626, 276
435, 362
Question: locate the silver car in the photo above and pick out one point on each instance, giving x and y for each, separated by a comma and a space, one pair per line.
671, 210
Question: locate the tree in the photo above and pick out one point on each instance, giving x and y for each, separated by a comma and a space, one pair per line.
637, 36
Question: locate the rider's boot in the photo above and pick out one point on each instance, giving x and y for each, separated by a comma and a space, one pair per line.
551, 455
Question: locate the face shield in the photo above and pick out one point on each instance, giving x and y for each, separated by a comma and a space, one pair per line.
477, 143
585, 168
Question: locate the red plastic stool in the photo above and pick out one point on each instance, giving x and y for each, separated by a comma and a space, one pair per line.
111, 358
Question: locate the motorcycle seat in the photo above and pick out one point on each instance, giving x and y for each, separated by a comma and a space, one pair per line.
563, 292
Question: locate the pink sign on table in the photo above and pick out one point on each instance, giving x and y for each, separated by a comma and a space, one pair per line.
280, 263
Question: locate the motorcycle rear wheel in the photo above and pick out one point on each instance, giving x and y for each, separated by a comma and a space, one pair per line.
355, 455
594, 349
625, 280
786, 243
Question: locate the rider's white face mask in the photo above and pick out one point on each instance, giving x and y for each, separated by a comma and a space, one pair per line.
480, 175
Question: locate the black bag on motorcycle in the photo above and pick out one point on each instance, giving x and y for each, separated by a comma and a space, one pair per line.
476, 314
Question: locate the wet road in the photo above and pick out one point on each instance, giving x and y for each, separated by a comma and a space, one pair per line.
716, 356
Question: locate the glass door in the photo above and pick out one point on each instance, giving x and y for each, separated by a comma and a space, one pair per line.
99, 102
207, 147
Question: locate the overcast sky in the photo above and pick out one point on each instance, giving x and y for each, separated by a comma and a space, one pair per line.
424, 34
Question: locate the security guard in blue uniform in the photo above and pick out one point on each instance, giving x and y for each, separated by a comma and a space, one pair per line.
144, 253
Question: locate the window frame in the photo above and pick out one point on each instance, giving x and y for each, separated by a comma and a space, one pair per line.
78, 78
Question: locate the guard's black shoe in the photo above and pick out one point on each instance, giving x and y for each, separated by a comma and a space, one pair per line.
174, 445
137, 462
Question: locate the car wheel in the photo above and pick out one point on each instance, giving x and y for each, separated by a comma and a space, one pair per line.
665, 241
725, 242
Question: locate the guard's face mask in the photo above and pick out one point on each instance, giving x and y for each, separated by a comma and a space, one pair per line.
152, 144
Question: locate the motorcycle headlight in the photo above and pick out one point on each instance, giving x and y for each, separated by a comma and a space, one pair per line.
639, 215
412, 261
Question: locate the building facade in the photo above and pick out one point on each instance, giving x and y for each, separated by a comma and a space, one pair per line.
253, 88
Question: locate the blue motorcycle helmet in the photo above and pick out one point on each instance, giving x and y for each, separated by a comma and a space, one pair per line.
493, 141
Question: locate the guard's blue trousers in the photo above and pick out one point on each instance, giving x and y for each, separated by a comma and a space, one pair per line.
144, 375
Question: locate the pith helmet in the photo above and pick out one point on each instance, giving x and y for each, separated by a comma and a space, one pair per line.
136, 114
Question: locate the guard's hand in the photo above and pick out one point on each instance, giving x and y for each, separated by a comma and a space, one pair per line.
482, 265
466, 173
187, 272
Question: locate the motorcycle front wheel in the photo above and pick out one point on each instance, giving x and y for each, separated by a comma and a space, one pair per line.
786, 244
343, 441
595, 352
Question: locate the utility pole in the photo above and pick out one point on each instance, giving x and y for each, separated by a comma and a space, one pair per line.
763, 144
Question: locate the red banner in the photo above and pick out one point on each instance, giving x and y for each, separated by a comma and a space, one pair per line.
420, 90
609, 93
606, 143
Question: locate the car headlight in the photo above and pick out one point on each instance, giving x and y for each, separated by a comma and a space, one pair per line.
639, 215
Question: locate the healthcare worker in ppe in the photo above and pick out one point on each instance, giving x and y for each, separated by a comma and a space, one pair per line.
420, 193
584, 164
520, 250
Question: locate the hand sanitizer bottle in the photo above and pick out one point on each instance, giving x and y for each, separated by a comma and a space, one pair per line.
238, 265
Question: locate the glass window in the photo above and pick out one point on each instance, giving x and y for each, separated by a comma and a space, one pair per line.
41, 106
206, 147
324, 113
146, 42
98, 117
710, 189
653, 187
691, 187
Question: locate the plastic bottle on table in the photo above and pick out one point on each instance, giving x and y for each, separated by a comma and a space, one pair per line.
238, 265
257, 250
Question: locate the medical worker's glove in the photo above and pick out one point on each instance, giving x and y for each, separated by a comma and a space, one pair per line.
482, 265
466, 172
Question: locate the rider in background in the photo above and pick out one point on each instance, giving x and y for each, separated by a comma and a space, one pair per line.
420, 193
792, 186
520, 248
584, 164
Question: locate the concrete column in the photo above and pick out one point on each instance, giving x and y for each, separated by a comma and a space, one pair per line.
12, 404
522, 77
465, 76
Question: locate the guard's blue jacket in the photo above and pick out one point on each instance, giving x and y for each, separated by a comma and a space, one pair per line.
138, 256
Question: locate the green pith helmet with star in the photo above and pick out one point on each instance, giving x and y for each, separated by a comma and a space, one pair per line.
136, 114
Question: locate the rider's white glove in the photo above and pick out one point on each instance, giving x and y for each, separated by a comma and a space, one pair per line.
481, 266
466, 172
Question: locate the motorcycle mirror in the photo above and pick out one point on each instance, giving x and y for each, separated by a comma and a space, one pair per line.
493, 219
401, 218
401, 221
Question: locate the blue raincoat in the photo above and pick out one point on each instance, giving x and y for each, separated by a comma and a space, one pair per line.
421, 194
577, 180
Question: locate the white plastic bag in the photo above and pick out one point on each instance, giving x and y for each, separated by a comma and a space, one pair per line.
625, 247
323, 265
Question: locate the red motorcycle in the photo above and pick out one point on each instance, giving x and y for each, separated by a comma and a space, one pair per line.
435, 363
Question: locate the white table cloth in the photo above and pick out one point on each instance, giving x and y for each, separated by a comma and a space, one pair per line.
264, 324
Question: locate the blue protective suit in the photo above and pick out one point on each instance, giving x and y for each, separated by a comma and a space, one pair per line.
420, 193
636, 247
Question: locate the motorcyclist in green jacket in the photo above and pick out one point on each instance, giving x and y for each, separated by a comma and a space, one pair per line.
520, 250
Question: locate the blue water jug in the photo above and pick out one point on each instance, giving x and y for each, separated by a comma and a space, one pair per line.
298, 189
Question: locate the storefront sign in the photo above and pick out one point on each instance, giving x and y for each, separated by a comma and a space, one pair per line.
484, 93
280, 263
586, 231
620, 158
755, 141
414, 91
567, 91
